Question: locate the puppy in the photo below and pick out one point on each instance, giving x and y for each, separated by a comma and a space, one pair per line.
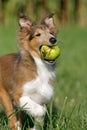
26, 80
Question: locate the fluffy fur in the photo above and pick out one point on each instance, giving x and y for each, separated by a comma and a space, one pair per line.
26, 79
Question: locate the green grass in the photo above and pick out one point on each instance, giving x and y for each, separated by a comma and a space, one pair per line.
70, 101
8, 39
71, 78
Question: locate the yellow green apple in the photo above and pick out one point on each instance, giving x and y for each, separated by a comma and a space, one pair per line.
49, 52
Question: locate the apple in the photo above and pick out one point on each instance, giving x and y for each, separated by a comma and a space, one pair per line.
49, 52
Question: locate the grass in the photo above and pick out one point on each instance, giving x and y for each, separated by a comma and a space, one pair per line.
8, 39
70, 101
71, 78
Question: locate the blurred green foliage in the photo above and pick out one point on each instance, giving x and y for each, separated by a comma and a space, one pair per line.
38, 8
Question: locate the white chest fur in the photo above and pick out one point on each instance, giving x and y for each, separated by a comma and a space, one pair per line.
39, 90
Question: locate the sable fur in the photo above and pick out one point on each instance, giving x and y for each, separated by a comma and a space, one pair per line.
19, 68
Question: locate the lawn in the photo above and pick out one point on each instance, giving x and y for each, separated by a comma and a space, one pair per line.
70, 101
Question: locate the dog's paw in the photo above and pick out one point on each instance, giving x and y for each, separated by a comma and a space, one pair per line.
17, 125
39, 113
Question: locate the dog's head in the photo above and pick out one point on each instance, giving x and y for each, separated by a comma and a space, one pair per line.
32, 36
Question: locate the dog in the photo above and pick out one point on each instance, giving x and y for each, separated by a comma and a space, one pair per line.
26, 80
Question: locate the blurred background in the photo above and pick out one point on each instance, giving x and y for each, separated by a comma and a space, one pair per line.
71, 69
67, 11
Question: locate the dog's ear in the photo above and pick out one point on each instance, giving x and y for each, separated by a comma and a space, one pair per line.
49, 22
25, 22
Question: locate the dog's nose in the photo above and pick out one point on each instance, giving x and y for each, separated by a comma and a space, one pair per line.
53, 40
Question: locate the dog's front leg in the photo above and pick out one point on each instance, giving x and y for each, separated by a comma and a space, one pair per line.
34, 109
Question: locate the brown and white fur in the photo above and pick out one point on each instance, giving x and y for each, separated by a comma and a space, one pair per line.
26, 80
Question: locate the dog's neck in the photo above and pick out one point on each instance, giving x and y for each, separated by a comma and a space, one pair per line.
44, 69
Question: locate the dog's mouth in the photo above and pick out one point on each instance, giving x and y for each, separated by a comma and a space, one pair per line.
50, 61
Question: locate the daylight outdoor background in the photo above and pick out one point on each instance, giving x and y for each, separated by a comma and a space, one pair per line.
70, 101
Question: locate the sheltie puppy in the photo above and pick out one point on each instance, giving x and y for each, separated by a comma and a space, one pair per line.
26, 80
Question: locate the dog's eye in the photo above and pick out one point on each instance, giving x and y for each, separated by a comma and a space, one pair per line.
38, 34
51, 33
